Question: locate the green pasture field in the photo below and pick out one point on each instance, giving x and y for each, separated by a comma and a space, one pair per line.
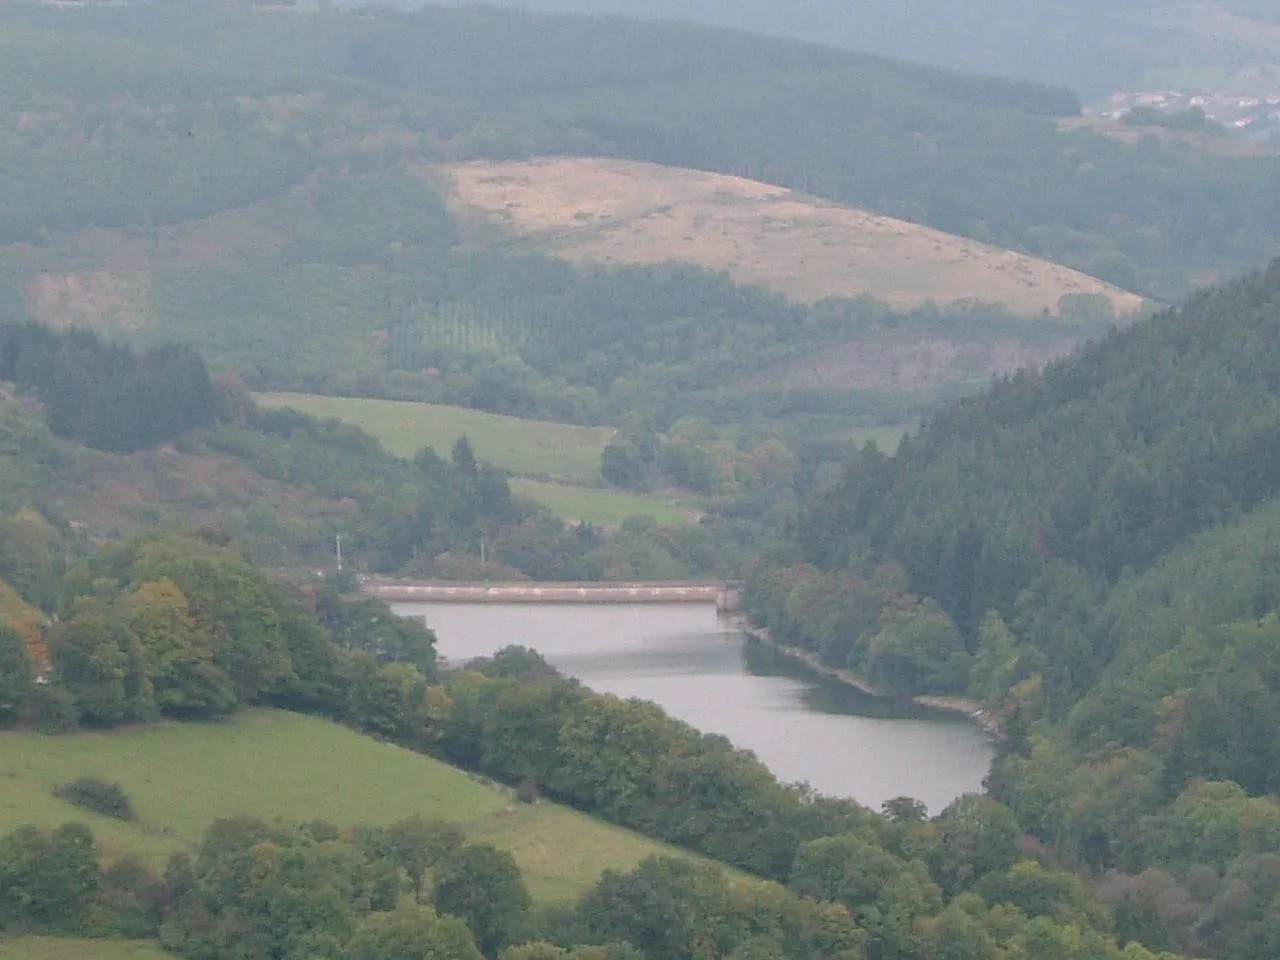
605, 508
68, 948
528, 448
886, 438
524, 447
291, 768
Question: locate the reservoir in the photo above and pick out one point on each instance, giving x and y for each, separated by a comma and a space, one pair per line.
805, 727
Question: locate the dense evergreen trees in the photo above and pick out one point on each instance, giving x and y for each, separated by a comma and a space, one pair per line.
1101, 539
105, 395
534, 336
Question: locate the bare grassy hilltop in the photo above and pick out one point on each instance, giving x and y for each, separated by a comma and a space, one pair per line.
619, 211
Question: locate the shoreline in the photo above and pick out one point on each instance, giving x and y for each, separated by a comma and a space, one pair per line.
971, 710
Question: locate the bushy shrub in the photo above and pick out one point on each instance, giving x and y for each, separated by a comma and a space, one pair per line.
53, 710
102, 796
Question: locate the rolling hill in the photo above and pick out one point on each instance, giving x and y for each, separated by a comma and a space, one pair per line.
594, 210
1091, 46
288, 767
157, 89
556, 451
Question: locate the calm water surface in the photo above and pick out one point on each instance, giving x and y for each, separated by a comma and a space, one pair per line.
713, 677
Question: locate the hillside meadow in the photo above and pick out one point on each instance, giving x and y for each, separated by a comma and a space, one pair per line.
607, 508
523, 447
293, 768
597, 210
534, 450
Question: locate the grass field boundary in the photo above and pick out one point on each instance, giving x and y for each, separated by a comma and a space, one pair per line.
522, 447
291, 768
79, 948
554, 464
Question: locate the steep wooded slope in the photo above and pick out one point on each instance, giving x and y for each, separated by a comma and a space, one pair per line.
1092, 552
1102, 464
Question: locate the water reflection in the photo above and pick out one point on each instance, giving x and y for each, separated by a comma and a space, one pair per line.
826, 694
805, 726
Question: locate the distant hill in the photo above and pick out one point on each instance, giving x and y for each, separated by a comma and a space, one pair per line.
595, 210
284, 485
228, 107
250, 181
1091, 46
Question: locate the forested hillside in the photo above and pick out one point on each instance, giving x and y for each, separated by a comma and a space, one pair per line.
103, 440
248, 103
264, 187
1090, 550
319, 258
1090, 46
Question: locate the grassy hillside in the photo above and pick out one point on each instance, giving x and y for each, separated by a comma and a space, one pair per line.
606, 508
614, 211
525, 447
532, 449
293, 768
68, 948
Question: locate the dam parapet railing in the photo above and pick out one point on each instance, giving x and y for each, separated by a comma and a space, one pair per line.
725, 595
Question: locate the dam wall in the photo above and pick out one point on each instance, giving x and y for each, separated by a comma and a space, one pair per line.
724, 595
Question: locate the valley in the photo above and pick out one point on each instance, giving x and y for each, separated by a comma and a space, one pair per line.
973, 391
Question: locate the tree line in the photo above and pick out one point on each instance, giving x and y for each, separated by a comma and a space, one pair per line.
418, 889
427, 517
105, 395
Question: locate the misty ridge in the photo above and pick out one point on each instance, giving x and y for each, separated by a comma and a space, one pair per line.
941, 335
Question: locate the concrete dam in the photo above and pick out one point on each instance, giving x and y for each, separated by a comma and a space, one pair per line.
724, 595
